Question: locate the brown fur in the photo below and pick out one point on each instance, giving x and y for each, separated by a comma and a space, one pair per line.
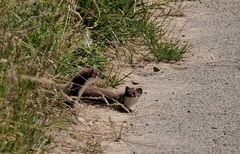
110, 95
85, 74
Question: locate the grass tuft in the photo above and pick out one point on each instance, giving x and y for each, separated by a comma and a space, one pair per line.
169, 52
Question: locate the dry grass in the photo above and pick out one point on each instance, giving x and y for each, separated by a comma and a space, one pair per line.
93, 130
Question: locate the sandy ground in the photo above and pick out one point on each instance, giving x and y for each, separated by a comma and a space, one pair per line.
193, 106
189, 107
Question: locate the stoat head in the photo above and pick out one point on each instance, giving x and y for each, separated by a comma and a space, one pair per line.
131, 96
90, 72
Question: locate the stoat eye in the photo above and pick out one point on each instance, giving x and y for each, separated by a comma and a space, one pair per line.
139, 91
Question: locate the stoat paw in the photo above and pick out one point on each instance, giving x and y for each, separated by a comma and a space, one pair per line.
131, 109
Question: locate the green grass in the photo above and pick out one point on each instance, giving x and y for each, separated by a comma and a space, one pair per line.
51, 40
169, 52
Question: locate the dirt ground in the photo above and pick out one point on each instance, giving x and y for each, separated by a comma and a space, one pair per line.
192, 106
189, 107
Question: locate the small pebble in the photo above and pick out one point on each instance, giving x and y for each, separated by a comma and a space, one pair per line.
134, 83
155, 69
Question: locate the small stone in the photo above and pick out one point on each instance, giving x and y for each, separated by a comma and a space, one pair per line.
134, 83
214, 141
155, 69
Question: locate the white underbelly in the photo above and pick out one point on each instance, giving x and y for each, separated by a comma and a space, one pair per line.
129, 102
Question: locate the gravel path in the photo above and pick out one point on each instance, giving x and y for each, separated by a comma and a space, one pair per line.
193, 106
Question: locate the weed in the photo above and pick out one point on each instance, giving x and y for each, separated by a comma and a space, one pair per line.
116, 134
113, 80
169, 52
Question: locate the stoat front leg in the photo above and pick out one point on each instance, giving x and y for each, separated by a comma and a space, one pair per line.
131, 109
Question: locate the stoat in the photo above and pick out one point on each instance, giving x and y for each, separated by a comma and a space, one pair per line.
128, 97
81, 87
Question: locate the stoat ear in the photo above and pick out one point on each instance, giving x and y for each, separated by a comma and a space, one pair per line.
126, 89
90, 71
139, 90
